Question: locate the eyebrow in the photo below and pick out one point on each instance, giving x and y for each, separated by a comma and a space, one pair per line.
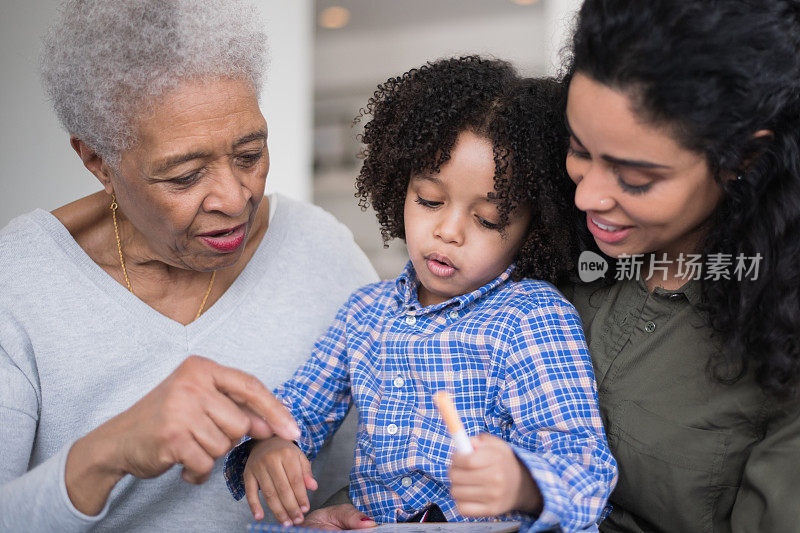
260, 135
426, 177
170, 162
437, 181
634, 163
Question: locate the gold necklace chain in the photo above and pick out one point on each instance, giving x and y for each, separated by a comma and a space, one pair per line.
113, 208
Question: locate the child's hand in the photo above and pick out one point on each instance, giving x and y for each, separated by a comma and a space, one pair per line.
283, 473
491, 480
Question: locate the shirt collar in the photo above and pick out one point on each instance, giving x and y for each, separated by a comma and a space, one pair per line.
690, 290
406, 291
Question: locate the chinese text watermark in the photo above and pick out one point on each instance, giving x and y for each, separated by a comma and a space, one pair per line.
714, 267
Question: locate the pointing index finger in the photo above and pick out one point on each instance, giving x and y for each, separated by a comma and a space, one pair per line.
247, 390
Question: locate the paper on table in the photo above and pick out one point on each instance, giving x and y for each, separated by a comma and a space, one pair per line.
430, 527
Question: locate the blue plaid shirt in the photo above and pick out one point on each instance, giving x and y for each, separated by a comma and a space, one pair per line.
514, 358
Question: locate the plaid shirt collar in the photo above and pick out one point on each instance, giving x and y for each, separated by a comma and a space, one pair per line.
406, 292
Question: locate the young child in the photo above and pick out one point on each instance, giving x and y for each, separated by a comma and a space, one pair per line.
464, 161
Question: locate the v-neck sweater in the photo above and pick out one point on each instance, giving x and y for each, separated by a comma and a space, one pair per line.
77, 348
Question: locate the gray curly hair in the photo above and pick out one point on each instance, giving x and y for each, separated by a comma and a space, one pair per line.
105, 61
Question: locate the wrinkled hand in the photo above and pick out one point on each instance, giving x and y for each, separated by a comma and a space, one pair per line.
338, 517
191, 418
195, 416
492, 481
284, 475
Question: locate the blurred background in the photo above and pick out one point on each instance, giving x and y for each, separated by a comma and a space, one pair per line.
326, 57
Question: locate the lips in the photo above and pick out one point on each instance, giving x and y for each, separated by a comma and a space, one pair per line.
224, 240
440, 265
605, 231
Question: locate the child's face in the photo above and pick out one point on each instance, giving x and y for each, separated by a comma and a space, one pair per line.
449, 223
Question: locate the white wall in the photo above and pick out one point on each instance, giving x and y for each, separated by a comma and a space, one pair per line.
37, 166
347, 61
288, 96
559, 20
366, 58
39, 169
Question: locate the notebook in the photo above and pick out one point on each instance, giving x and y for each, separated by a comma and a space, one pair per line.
430, 527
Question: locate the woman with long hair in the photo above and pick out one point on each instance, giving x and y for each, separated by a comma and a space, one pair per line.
684, 121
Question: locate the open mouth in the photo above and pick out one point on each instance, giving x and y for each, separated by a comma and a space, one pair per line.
440, 265
220, 234
607, 233
226, 240
440, 259
607, 227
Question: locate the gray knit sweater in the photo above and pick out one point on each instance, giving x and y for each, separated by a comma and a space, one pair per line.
76, 348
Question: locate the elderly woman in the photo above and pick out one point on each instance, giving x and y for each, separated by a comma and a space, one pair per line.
104, 301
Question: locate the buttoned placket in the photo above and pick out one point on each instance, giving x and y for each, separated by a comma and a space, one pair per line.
398, 389
392, 404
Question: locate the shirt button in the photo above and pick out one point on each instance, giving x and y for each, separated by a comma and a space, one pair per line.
676, 296
650, 327
406, 481
411, 320
398, 381
391, 429
453, 314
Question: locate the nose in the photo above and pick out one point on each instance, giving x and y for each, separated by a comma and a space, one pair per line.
593, 188
450, 227
228, 194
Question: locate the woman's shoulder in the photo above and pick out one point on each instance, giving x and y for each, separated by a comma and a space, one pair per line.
87, 220
588, 298
21, 226
50, 245
33, 262
25, 242
312, 237
310, 219
309, 224
67, 233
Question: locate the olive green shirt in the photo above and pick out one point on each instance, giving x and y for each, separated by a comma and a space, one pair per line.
694, 454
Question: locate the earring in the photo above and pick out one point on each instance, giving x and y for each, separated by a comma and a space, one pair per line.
739, 177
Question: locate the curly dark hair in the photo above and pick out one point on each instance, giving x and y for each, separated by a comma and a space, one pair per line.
416, 119
717, 73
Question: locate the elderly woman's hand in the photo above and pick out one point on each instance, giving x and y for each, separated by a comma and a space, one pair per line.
191, 418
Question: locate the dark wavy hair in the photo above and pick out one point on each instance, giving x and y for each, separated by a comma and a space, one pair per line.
416, 118
717, 73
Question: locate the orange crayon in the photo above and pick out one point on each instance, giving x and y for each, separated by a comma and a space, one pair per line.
448, 411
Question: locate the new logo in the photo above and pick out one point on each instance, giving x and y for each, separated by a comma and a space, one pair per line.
591, 266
